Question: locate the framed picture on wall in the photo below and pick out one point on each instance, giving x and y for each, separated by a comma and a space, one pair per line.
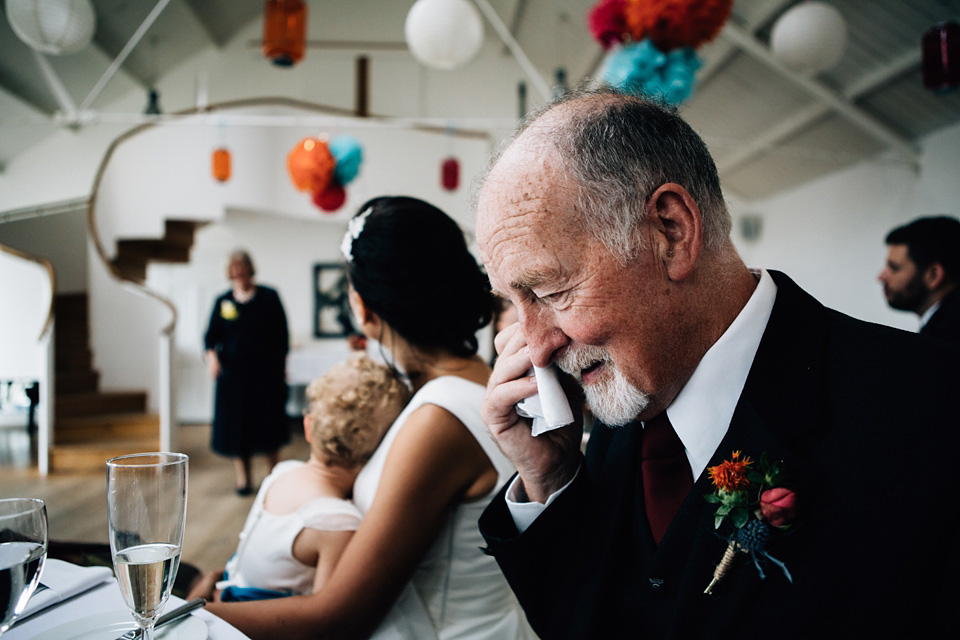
331, 309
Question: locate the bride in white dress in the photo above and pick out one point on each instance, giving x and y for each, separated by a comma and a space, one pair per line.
414, 569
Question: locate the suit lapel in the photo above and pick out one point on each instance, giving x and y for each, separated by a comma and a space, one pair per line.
781, 404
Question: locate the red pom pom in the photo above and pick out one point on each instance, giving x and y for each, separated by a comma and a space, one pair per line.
671, 24
331, 198
607, 22
310, 164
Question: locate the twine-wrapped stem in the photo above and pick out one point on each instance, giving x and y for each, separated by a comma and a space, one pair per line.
725, 562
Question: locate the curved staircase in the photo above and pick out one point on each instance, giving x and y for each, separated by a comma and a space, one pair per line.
92, 426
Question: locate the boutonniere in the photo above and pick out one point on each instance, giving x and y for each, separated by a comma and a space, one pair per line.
755, 504
228, 310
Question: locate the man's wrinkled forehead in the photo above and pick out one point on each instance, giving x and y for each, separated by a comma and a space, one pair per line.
519, 190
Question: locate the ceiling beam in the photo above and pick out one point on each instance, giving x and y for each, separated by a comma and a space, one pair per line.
805, 117
750, 45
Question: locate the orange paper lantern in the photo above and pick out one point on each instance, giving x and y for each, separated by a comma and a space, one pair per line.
284, 31
310, 164
221, 165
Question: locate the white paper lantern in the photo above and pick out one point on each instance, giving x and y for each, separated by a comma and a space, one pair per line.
53, 26
444, 34
810, 37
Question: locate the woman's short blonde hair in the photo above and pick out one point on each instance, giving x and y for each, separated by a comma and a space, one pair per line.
350, 408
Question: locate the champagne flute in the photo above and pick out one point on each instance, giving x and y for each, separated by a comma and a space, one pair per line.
23, 548
146, 509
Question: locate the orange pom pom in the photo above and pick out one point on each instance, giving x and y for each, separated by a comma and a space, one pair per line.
671, 24
310, 165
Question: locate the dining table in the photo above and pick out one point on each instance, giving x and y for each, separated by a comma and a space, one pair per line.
99, 613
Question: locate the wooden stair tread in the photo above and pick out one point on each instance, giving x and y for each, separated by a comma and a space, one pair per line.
107, 428
89, 404
92, 456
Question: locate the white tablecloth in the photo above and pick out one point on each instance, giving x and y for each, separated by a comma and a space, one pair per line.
104, 599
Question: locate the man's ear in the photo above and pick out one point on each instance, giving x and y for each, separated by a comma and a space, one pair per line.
934, 276
677, 229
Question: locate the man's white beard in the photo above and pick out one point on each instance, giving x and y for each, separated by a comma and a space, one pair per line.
612, 399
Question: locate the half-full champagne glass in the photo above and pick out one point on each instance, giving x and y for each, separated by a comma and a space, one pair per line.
23, 548
146, 509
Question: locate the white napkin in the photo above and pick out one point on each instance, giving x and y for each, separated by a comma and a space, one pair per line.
63, 580
550, 408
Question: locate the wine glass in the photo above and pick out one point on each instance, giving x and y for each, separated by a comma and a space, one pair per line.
146, 513
23, 548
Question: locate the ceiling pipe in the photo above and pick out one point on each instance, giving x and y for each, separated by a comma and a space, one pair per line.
122, 56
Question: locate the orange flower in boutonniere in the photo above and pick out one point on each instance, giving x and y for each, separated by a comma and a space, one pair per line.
756, 506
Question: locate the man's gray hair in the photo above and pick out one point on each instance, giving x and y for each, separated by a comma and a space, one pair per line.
618, 148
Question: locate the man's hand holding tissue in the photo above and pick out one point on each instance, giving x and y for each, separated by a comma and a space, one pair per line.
546, 462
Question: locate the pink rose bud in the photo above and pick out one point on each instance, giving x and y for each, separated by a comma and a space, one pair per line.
778, 506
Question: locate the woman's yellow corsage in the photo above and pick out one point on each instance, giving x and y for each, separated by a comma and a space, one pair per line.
228, 310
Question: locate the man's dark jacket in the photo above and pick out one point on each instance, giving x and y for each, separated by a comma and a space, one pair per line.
863, 418
945, 321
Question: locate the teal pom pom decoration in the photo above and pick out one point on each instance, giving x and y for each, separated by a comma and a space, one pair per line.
348, 155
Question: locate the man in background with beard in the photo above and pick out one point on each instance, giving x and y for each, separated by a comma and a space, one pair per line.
603, 221
922, 274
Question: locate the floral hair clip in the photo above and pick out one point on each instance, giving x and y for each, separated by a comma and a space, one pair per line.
354, 229
756, 505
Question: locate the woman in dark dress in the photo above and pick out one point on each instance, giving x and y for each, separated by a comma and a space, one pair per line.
246, 349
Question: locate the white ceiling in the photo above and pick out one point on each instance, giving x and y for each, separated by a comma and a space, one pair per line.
769, 129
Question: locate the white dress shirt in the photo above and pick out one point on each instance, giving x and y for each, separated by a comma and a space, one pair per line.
702, 411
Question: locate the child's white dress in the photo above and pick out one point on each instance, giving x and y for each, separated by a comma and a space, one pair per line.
264, 556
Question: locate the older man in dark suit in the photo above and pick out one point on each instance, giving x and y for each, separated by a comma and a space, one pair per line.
603, 221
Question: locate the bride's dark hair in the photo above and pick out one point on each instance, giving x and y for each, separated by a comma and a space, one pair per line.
411, 266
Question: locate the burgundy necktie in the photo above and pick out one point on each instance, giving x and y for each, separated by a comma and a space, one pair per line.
667, 478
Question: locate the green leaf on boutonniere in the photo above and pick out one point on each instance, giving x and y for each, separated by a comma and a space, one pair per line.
712, 497
717, 521
739, 516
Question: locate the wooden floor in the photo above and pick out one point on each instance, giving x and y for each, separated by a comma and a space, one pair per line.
77, 503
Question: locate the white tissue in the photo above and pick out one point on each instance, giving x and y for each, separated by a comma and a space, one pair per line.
550, 408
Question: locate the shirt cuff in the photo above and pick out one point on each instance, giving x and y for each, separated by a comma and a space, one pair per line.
524, 513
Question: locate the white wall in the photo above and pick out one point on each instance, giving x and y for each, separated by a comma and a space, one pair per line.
828, 234
25, 292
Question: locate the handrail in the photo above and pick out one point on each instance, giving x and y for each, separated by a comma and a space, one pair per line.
43, 262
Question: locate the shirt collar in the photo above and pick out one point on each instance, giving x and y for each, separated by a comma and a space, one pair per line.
925, 318
702, 411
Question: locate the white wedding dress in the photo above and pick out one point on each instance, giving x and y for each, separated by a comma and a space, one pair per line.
457, 592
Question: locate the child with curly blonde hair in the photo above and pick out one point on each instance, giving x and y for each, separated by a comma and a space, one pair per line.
301, 519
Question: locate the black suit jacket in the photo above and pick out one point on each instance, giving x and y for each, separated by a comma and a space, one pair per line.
864, 421
945, 321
